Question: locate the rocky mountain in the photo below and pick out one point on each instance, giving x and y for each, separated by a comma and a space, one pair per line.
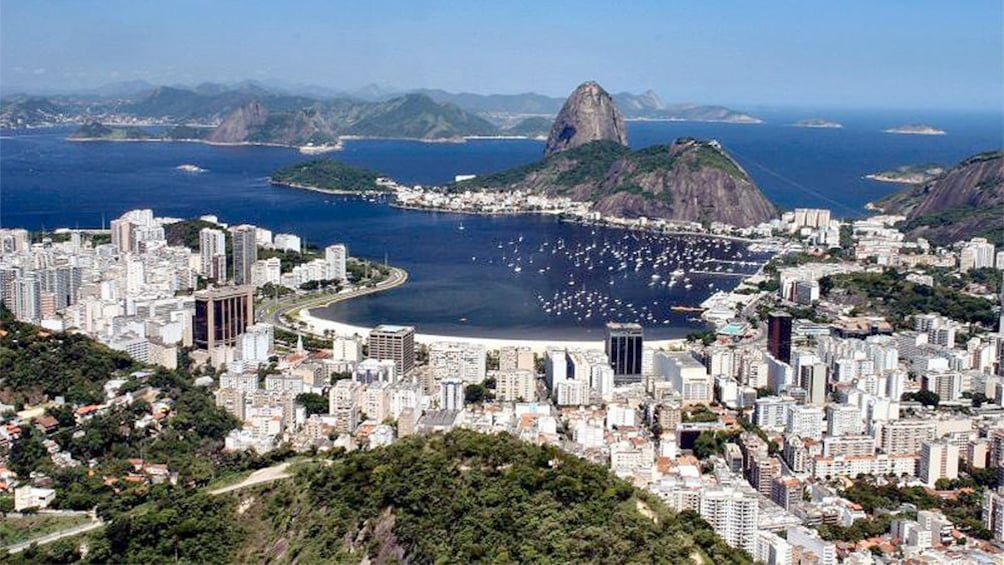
239, 125
588, 115
689, 180
965, 201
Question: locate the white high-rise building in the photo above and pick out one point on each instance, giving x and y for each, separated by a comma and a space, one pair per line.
465, 361
516, 385
938, 460
245, 252
733, 514
977, 253
287, 242
451, 394
336, 256
346, 348
805, 421
213, 252
265, 271
843, 420
255, 344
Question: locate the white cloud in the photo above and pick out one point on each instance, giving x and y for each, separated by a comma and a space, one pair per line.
38, 71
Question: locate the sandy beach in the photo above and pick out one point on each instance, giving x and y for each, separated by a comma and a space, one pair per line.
318, 326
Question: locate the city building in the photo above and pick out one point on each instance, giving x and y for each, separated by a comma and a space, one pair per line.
466, 361
624, 344
245, 252
213, 254
336, 255
396, 343
451, 394
938, 460
222, 314
779, 336
733, 514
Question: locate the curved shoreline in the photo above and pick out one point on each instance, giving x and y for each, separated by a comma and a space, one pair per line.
316, 326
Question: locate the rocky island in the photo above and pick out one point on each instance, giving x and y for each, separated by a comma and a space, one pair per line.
915, 129
908, 174
818, 123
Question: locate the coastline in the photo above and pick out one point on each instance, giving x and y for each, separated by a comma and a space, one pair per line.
333, 191
305, 321
538, 345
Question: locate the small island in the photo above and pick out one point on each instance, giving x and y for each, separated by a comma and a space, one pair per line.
818, 123
915, 129
908, 174
326, 175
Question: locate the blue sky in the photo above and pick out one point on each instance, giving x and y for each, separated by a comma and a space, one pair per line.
908, 54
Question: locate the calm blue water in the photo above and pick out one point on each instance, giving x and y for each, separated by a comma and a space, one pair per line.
461, 280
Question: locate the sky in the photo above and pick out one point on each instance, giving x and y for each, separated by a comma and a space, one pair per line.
889, 54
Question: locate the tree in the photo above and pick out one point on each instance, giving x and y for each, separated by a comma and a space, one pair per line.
475, 394
314, 403
925, 397
28, 453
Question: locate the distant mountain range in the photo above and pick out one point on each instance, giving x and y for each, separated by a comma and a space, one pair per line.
448, 114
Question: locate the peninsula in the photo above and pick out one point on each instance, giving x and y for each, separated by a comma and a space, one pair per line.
326, 175
908, 174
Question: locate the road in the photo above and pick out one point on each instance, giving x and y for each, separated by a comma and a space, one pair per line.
55, 536
266, 475
273, 313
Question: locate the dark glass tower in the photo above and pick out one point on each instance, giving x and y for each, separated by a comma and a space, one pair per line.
779, 336
624, 348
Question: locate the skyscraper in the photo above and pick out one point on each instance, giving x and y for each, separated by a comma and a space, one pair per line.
624, 347
396, 343
779, 336
245, 252
213, 251
336, 256
221, 315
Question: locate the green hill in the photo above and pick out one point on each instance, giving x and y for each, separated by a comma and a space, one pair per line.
418, 116
536, 126
326, 174
463, 497
95, 130
688, 180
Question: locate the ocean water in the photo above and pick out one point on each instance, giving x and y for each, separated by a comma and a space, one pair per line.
461, 279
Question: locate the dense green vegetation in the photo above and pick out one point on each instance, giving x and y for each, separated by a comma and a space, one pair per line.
288, 259
563, 170
963, 509
890, 293
326, 174
35, 365
608, 167
418, 116
468, 497
932, 225
186, 233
